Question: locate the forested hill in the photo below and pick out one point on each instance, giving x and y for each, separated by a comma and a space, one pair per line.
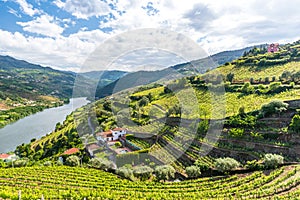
23, 79
184, 69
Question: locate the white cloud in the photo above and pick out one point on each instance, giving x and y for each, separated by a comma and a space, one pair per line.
27, 8
44, 25
14, 12
68, 53
215, 25
84, 9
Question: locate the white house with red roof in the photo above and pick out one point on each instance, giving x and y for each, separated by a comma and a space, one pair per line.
7, 157
111, 135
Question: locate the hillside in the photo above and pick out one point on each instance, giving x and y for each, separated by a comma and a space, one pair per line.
154, 111
185, 69
259, 132
27, 88
80, 183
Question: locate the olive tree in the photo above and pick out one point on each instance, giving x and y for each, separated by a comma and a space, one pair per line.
165, 172
226, 164
143, 172
73, 161
272, 160
193, 171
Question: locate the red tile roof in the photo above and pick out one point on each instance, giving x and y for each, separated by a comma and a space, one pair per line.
71, 151
118, 129
4, 156
105, 134
93, 146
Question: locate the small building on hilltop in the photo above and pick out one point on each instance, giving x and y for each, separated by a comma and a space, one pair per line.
7, 157
272, 48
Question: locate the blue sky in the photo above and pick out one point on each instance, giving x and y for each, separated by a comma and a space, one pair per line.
63, 33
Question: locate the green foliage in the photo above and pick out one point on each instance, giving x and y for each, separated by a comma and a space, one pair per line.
274, 107
193, 171
274, 86
60, 183
142, 172
144, 101
272, 160
230, 77
125, 172
72, 161
236, 132
203, 127
47, 163
245, 121
226, 164
174, 111
203, 166
247, 88
254, 165
295, 124
164, 172
20, 162
118, 144
101, 163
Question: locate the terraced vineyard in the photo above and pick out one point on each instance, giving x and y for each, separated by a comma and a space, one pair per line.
77, 183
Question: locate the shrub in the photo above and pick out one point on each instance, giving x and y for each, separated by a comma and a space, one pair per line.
226, 164
236, 132
201, 165
20, 163
275, 106
272, 160
125, 172
143, 172
47, 163
73, 161
165, 172
118, 144
193, 171
247, 88
254, 165
203, 127
295, 124
100, 163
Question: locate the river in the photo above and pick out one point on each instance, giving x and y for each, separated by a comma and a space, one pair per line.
36, 125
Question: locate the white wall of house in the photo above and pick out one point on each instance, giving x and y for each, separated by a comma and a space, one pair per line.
118, 134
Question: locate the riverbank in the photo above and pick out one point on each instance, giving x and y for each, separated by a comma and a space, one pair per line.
14, 111
36, 125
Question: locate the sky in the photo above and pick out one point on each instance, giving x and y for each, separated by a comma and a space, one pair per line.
64, 33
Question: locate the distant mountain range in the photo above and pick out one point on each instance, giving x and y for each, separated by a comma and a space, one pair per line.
134, 79
21, 78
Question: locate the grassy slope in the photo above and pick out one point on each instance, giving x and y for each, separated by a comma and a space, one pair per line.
244, 73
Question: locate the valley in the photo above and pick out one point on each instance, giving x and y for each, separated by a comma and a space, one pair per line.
221, 134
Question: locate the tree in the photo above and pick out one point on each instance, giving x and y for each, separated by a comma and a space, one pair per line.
175, 110
164, 172
144, 101
226, 164
100, 163
73, 161
143, 172
125, 172
193, 171
247, 88
203, 127
272, 160
229, 77
275, 106
295, 124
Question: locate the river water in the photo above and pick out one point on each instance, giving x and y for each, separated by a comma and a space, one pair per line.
36, 125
